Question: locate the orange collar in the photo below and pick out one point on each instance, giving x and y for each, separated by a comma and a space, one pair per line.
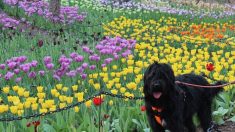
157, 117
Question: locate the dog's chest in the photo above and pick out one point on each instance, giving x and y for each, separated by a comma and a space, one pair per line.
158, 116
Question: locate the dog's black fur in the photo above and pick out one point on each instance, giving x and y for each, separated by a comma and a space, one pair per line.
179, 102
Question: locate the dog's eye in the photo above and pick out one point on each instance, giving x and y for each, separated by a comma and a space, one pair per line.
153, 74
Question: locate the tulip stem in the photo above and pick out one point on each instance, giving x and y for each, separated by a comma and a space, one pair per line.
100, 114
35, 129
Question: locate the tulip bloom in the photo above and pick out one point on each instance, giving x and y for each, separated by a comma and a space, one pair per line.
97, 101
210, 67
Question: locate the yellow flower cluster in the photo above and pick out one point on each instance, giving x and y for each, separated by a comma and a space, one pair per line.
172, 31
187, 47
18, 99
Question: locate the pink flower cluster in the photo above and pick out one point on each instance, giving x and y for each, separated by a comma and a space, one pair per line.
67, 14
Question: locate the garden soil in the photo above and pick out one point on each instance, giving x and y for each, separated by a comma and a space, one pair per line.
228, 126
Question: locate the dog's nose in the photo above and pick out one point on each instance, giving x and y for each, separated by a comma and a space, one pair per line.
156, 84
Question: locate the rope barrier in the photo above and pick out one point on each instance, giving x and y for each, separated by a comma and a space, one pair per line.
105, 93
202, 86
68, 107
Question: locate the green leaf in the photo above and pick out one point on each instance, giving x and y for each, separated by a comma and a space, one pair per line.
48, 128
232, 119
136, 122
220, 111
147, 130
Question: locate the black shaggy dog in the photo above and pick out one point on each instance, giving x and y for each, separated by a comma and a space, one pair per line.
171, 106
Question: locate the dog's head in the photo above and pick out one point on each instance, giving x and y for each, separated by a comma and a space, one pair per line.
159, 80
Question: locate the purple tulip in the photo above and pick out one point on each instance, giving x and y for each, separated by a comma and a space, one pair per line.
116, 57
41, 73
79, 58
47, 60
8, 75
49, 66
19, 79
34, 63
16, 71
73, 55
21, 59
92, 67
84, 76
2, 66
32, 75
103, 65
108, 60
79, 70
71, 73
25, 67
84, 65
86, 49
65, 65
56, 77
11, 65
94, 57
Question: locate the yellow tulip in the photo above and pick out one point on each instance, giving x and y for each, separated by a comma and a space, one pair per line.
40, 89
114, 91
80, 96
6, 89
59, 86
88, 103
34, 106
110, 102
76, 109
75, 87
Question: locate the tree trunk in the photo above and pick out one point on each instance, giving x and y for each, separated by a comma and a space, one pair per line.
54, 7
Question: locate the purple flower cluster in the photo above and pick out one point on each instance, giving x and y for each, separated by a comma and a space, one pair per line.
114, 46
106, 51
67, 14
8, 22
167, 9
16, 65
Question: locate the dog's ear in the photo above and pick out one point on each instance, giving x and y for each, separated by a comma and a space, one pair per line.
155, 62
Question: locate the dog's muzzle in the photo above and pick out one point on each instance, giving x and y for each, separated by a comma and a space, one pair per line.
156, 90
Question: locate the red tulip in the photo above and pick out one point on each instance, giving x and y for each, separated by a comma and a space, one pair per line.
210, 67
28, 124
97, 101
106, 116
40, 43
36, 123
143, 108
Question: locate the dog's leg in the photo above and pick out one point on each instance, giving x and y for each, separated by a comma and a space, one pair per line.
151, 118
189, 124
205, 117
